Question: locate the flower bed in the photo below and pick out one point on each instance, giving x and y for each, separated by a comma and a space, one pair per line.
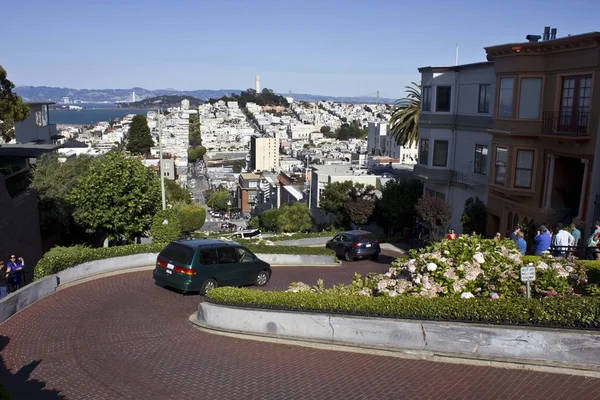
564, 312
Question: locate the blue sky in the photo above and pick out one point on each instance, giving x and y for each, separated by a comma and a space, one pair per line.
340, 48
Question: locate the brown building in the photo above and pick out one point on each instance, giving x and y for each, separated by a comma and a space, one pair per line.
544, 133
246, 192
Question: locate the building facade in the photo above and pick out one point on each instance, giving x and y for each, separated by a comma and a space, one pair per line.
457, 105
264, 154
545, 133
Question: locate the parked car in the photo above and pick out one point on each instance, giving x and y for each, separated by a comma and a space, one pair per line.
203, 264
355, 244
247, 233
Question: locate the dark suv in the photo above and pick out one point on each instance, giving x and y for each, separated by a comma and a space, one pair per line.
355, 244
202, 265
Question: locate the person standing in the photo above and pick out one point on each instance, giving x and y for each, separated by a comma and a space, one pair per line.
541, 242
562, 241
3, 280
521, 243
451, 234
15, 271
515, 234
576, 234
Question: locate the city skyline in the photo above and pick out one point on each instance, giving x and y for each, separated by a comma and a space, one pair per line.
313, 47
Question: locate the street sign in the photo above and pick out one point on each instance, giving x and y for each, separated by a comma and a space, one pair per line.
527, 274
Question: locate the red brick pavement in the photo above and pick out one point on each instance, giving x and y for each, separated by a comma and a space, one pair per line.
122, 337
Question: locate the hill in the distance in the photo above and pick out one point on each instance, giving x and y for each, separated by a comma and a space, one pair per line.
165, 101
56, 94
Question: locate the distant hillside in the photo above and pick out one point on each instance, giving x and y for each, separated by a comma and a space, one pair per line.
90, 96
161, 101
265, 98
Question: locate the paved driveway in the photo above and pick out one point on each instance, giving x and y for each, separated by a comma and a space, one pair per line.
122, 337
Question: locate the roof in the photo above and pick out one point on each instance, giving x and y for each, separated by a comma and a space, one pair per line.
26, 150
250, 176
204, 242
456, 67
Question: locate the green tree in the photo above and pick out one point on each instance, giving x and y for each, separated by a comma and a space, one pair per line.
12, 108
349, 131
474, 217
54, 180
254, 223
166, 226
325, 129
139, 138
192, 155
435, 213
219, 200
237, 167
405, 117
268, 220
176, 193
194, 130
295, 217
200, 151
192, 218
360, 204
337, 194
119, 195
396, 207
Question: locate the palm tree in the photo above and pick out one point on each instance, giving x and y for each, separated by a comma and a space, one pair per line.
405, 116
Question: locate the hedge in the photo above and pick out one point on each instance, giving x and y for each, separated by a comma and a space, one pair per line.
4, 394
61, 258
563, 312
592, 267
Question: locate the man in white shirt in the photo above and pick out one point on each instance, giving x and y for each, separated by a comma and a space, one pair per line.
562, 240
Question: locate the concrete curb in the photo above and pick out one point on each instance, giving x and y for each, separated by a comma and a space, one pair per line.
550, 350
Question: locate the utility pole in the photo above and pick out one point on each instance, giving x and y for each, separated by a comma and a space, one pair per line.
160, 161
456, 61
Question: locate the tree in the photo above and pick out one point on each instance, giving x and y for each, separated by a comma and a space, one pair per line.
349, 131
139, 138
254, 223
396, 207
237, 167
295, 217
474, 216
358, 211
119, 196
192, 155
192, 218
12, 108
435, 213
194, 130
325, 129
268, 220
166, 226
336, 196
54, 180
405, 117
176, 193
219, 200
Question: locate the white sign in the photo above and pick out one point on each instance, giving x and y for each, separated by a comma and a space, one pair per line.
527, 274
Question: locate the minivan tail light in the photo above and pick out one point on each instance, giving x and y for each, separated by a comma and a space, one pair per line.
356, 245
161, 263
185, 271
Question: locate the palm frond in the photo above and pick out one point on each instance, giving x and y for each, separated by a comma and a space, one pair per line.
404, 122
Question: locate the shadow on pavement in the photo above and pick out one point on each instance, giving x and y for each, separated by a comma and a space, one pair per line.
20, 385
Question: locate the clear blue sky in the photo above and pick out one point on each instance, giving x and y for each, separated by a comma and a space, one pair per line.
343, 48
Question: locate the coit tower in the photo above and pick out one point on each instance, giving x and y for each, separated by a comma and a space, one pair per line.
257, 83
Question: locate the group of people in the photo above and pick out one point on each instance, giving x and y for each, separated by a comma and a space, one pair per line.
11, 275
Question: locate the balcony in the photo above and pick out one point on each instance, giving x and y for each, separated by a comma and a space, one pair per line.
426, 173
566, 123
466, 176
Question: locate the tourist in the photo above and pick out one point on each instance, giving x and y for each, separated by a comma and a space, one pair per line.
498, 236
576, 234
3, 280
451, 234
514, 234
562, 240
473, 234
15, 270
592, 245
521, 243
542, 240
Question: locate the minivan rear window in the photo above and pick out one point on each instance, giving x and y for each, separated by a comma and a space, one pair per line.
177, 253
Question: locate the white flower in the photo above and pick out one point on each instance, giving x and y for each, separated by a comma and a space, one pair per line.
392, 293
466, 295
364, 292
412, 268
388, 274
431, 267
417, 280
446, 253
478, 258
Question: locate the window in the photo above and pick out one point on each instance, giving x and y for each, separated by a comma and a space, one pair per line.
433, 193
209, 257
424, 151
480, 160
244, 255
506, 97
227, 255
524, 168
442, 98
178, 254
426, 98
440, 153
501, 160
575, 102
484, 99
530, 98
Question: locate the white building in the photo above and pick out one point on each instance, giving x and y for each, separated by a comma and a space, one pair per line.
457, 105
264, 153
380, 143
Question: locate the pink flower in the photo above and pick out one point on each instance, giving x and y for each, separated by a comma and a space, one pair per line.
494, 296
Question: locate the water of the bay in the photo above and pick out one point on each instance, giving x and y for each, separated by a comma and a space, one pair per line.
89, 116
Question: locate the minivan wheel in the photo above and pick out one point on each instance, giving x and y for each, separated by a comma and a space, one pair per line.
262, 279
207, 286
347, 256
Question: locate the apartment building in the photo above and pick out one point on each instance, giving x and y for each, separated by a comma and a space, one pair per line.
457, 105
545, 131
264, 153
381, 143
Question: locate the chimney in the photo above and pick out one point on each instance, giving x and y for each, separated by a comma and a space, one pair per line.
546, 33
533, 38
553, 34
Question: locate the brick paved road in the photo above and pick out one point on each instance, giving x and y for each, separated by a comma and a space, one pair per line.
122, 337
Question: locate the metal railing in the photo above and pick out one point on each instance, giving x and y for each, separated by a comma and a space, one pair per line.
468, 176
581, 252
570, 123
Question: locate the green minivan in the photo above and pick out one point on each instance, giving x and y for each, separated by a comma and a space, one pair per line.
203, 264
